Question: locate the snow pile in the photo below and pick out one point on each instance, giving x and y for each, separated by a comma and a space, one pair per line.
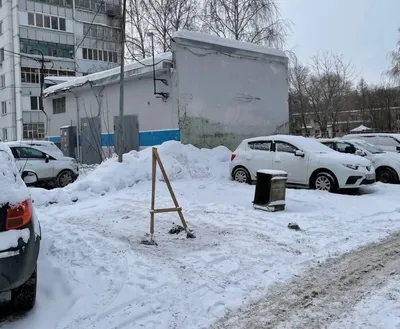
13, 189
180, 162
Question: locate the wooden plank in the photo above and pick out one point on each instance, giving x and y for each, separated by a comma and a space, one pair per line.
171, 192
153, 190
156, 211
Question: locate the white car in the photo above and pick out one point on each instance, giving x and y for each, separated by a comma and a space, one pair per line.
49, 167
386, 141
386, 164
307, 162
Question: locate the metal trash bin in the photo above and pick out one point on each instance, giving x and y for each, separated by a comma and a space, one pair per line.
270, 190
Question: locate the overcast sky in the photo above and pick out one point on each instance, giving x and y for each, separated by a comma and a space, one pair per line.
364, 31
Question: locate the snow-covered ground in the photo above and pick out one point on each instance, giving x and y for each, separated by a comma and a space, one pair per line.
94, 273
380, 310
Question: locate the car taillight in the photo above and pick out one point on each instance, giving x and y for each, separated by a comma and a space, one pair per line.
233, 156
19, 215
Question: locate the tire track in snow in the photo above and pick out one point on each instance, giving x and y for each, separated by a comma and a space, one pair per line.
322, 294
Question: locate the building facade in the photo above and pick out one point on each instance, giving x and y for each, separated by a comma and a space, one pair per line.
76, 37
208, 92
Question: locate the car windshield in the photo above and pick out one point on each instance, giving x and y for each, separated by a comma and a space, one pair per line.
7, 169
369, 147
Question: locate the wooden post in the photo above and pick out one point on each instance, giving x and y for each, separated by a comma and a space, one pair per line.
156, 160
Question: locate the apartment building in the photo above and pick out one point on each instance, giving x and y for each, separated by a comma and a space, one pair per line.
76, 37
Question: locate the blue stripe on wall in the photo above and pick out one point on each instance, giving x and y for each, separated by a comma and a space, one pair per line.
146, 138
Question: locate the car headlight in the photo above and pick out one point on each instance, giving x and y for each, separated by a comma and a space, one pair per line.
351, 166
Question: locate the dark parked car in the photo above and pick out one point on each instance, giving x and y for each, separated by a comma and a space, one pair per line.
20, 234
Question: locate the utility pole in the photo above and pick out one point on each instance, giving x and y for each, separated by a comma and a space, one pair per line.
42, 61
120, 136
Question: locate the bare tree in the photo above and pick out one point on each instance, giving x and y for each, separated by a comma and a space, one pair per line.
298, 79
167, 16
137, 27
255, 21
394, 71
328, 87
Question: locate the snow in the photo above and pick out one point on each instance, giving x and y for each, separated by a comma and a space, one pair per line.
129, 70
207, 38
10, 238
12, 188
271, 172
180, 162
379, 310
360, 128
95, 273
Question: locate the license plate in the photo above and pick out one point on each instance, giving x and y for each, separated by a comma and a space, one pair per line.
370, 176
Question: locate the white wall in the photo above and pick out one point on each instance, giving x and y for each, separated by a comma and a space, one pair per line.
153, 113
222, 98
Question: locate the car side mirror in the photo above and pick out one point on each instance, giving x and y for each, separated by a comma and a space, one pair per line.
398, 148
360, 153
47, 158
299, 153
29, 177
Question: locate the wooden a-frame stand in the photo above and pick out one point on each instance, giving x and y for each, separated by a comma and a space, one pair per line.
156, 159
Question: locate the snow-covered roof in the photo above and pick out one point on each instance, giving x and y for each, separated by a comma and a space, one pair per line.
207, 38
360, 128
112, 75
57, 80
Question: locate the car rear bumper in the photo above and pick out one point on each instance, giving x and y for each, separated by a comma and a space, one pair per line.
17, 264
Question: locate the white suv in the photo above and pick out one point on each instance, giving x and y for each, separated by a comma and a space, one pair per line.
386, 141
49, 167
307, 162
387, 164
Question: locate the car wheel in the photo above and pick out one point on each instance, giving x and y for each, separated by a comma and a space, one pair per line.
386, 175
324, 182
23, 298
64, 178
241, 175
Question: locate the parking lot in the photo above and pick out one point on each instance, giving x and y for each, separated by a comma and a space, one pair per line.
95, 272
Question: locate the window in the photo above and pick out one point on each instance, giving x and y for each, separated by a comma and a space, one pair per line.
284, 147
345, 147
2, 81
1, 55
33, 131
46, 21
100, 55
115, 57
329, 144
90, 54
48, 48
381, 140
110, 56
34, 103
39, 20
3, 108
260, 145
1, 27
62, 24
29, 153
105, 56
95, 54
31, 19
84, 53
5, 137
59, 105
54, 23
